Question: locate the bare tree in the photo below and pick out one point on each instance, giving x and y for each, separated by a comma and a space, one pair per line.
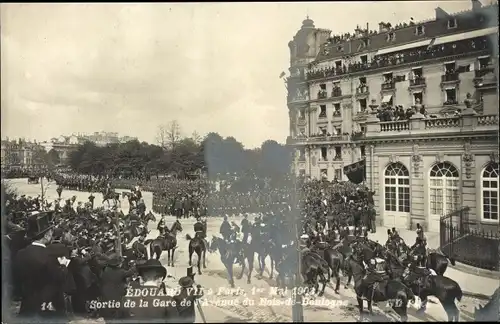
169, 135
196, 137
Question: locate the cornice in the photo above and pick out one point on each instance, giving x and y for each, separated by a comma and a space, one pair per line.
449, 137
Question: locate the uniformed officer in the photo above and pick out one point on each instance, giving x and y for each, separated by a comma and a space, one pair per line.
162, 225
225, 229
140, 251
375, 273
245, 228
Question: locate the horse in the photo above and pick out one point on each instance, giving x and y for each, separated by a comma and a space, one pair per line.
197, 244
133, 230
312, 267
227, 255
149, 217
438, 262
132, 199
265, 246
166, 243
445, 289
383, 291
110, 194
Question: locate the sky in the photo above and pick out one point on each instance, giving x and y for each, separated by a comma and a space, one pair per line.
129, 68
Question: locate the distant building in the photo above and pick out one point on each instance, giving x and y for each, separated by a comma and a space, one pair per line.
21, 154
417, 102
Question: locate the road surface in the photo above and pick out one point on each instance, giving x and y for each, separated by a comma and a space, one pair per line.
255, 304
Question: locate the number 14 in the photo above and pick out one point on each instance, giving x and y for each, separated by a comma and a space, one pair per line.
47, 306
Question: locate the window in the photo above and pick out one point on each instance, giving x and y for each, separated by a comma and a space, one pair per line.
391, 37
337, 130
397, 188
324, 154
489, 192
302, 173
336, 109
322, 112
302, 154
338, 153
363, 151
452, 23
322, 130
338, 174
302, 131
362, 105
364, 59
302, 113
340, 48
336, 84
387, 77
484, 62
419, 30
338, 64
444, 188
363, 129
417, 72
418, 95
450, 67
322, 86
324, 173
450, 95
362, 81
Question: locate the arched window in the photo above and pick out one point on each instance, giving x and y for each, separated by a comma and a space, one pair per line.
444, 188
489, 192
397, 188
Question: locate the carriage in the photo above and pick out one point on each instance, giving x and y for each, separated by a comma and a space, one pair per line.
33, 180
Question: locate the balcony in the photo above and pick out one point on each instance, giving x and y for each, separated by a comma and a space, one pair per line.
476, 45
362, 90
388, 85
319, 139
336, 92
298, 99
420, 126
322, 115
417, 82
322, 94
450, 78
337, 114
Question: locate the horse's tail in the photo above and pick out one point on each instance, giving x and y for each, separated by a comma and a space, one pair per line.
188, 237
452, 260
459, 293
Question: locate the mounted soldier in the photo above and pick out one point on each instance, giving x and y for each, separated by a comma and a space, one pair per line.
162, 225
245, 228
140, 251
375, 273
200, 230
225, 229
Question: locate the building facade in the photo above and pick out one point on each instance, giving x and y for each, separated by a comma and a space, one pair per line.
21, 154
418, 102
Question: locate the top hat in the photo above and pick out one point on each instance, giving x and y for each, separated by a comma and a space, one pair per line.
152, 264
114, 260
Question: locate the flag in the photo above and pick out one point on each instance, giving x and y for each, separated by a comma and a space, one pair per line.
356, 172
282, 74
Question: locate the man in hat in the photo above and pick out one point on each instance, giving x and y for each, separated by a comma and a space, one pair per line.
91, 200
187, 298
156, 306
39, 274
59, 191
140, 251
162, 225
113, 282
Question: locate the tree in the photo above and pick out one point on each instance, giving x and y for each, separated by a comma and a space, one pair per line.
54, 158
169, 135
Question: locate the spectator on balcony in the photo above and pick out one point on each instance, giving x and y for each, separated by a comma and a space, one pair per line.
409, 113
400, 113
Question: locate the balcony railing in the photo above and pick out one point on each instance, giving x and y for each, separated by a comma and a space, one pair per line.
362, 89
337, 113
336, 92
322, 115
441, 125
318, 138
322, 94
408, 56
450, 103
450, 77
389, 85
420, 81
298, 98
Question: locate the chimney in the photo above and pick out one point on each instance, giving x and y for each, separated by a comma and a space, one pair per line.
476, 4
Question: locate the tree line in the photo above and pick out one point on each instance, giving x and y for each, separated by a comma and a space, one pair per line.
182, 157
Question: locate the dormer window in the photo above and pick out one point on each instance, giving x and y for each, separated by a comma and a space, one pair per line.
340, 48
419, 30
391, 37
452, 23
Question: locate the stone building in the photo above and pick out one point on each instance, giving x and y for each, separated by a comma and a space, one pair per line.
417, 102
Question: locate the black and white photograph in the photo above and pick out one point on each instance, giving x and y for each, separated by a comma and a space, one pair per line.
235, 162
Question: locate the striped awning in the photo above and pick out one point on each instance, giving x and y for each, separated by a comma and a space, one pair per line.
466, 35
403, 47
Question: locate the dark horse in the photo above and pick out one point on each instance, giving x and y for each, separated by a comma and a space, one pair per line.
228, 254
386, 290
265, 246
149, 217
110, 194
166, 243
438, 262
444, 288
197, 244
